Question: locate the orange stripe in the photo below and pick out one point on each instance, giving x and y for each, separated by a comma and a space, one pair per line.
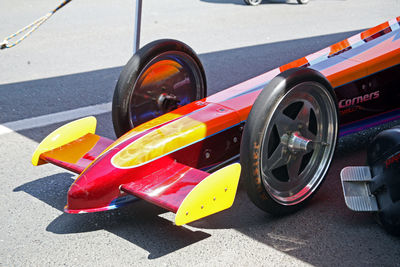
385, 55
385, 61
339, 47
344, 72
378, 58
294, 64
374, 30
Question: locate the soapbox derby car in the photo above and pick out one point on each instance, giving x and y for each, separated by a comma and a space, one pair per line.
185, 151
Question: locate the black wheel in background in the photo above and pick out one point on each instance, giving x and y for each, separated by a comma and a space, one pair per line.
160, 77
289, 140
253, 2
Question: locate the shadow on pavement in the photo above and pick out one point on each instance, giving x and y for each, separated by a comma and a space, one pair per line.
137, 223
324, 233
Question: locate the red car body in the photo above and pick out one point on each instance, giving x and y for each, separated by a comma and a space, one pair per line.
166, 159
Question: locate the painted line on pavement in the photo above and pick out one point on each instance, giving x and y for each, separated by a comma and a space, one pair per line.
53, 118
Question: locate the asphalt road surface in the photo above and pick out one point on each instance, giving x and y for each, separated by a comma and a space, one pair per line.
68, 68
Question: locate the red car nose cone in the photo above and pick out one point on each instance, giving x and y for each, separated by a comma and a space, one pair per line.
97, 188
94, 190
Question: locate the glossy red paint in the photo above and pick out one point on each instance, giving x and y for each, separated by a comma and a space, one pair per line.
99, 184
168, 186
98, 145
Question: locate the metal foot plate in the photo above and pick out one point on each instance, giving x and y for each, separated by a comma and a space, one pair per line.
356, 190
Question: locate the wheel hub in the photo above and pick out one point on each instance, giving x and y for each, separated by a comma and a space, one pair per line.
297, 143
167, 102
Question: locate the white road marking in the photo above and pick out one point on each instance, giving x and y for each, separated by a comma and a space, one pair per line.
49, 119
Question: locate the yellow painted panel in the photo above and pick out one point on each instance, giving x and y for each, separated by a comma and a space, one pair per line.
64, 135
75, 150
159, 142
215, 193
148, 125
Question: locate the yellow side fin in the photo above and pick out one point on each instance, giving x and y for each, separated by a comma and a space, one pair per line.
215, 193
64, 135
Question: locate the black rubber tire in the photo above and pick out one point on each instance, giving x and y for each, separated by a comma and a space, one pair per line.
303, 2
391, 225
132, 71
253, 2
262, 110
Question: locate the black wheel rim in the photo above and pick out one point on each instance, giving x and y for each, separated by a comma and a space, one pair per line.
168, 81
